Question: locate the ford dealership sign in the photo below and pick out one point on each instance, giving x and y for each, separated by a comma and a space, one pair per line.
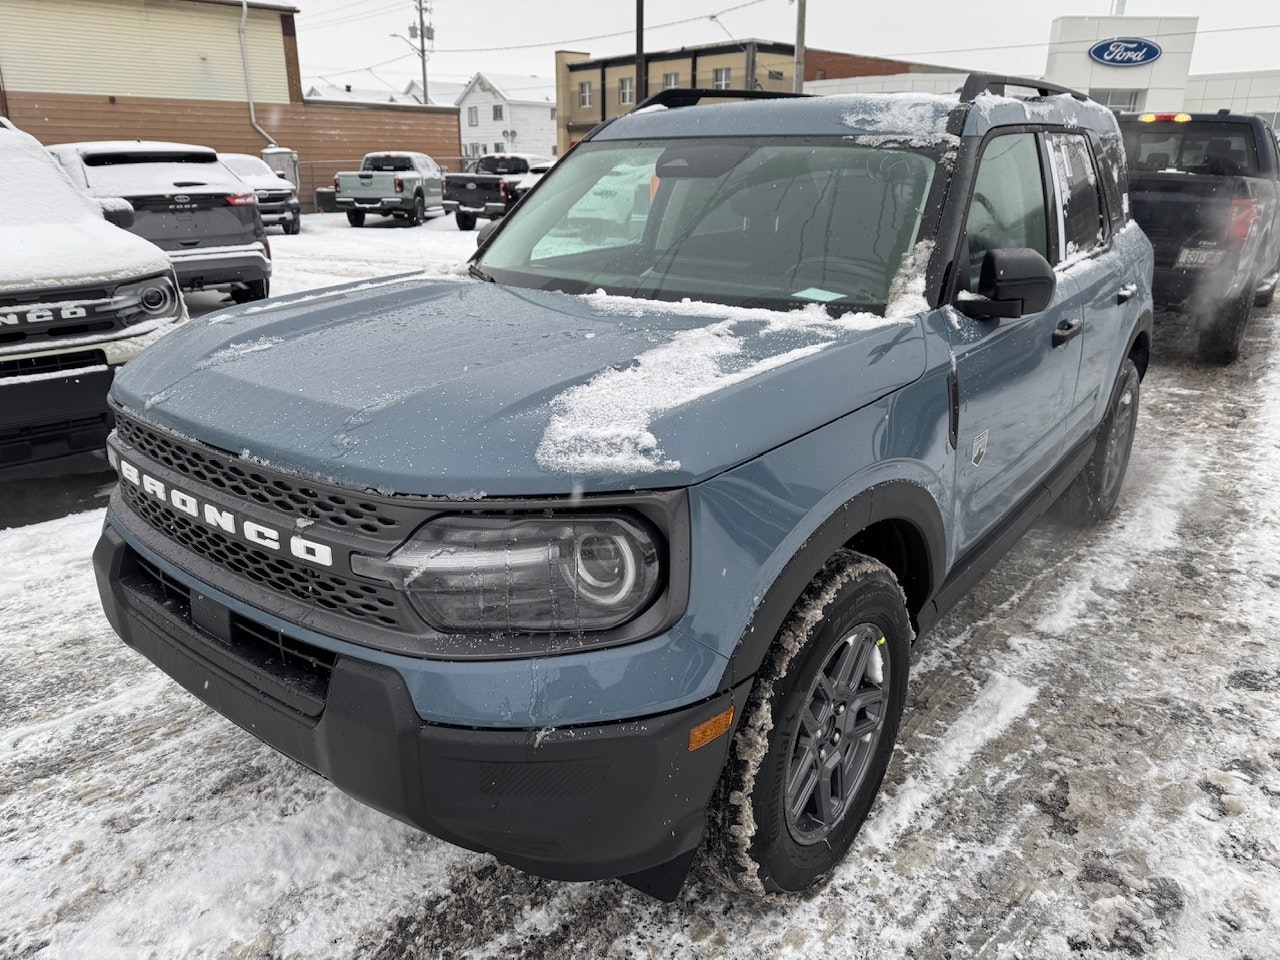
1125, 52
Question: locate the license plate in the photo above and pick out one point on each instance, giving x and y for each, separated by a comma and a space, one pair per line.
1190, 257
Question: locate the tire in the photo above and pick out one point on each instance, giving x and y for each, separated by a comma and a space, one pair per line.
293, 227
355, 218
1093, 494
419, 211
253, 290
466, 221
1223, 336
846, 643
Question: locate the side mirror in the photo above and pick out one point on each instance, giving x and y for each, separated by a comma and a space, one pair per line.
117, 210
280, 174
485, 232
443, 171
1012, 283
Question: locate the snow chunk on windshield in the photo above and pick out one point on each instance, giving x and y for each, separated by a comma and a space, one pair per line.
603, 425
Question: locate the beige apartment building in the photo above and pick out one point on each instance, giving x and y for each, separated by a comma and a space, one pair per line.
175, 70
589, 91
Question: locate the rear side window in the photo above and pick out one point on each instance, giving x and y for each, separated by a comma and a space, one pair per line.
1216, 147
1081, 221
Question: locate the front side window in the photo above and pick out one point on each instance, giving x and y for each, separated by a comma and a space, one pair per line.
1007, 208
721, 78
473, 116
584, 94
1081, 223
723, 220
626, 90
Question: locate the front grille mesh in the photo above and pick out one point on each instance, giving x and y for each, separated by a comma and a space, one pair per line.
286, 494
349, 598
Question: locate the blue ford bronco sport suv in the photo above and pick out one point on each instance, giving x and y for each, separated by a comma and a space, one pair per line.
616, 549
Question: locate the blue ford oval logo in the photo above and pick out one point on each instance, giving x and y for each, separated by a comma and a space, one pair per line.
1125, 52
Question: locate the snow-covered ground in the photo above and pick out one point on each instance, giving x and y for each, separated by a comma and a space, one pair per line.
1089, 764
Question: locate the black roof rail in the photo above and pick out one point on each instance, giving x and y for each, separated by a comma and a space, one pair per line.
686, 97
978, 83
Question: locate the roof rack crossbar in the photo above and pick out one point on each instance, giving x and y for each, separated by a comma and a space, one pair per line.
674, 97
978, 83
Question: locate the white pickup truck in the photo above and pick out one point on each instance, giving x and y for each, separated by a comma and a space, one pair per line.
392, 183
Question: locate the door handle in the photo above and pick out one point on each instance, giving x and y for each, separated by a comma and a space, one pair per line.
1067, 330
1126, 293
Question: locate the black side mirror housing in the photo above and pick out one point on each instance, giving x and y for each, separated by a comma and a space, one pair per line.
1012, 283
485, 232
117, 211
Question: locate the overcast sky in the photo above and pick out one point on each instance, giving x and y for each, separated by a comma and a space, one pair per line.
342, 39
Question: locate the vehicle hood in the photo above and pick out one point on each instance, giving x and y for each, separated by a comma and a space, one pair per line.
263, 181
469, 389
49, 256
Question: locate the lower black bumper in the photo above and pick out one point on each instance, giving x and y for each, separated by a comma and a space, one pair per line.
578, 803
42, 419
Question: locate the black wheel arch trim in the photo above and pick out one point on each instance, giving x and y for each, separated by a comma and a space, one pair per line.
897, 502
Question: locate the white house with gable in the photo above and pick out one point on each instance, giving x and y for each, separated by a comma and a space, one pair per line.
508, 113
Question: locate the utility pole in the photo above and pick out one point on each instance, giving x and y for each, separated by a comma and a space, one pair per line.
642, 68
424, 8
797, 82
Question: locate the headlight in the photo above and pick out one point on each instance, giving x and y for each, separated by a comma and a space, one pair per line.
156, 298
521, 574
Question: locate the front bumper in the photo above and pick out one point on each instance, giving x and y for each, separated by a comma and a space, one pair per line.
218, 266
574, 803
274, 214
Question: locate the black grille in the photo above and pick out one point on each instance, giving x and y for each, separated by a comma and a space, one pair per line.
52, 364
245, 479
348, 598
299, 671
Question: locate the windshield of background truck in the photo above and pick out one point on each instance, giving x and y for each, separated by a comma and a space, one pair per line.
1198, 146
742, 223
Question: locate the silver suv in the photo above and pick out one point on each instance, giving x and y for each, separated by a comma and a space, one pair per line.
187, 203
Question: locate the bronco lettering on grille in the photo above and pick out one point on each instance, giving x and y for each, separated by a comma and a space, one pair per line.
215, 516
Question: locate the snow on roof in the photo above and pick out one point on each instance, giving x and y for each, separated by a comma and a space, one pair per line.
522, 88
325, 90
88, 148
440, 93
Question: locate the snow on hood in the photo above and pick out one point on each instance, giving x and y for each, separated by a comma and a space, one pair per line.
52, 235
450, 388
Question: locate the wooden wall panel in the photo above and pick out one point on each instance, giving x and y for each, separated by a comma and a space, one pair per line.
328, 137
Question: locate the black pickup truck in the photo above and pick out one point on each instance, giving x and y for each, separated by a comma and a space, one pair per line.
491, 186
1204, 189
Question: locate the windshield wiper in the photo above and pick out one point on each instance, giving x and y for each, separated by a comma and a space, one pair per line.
479, 274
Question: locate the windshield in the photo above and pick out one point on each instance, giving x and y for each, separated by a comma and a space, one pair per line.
1214, 147
735, 222
246, 165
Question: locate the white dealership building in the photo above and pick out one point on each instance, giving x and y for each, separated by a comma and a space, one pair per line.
1130, 63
